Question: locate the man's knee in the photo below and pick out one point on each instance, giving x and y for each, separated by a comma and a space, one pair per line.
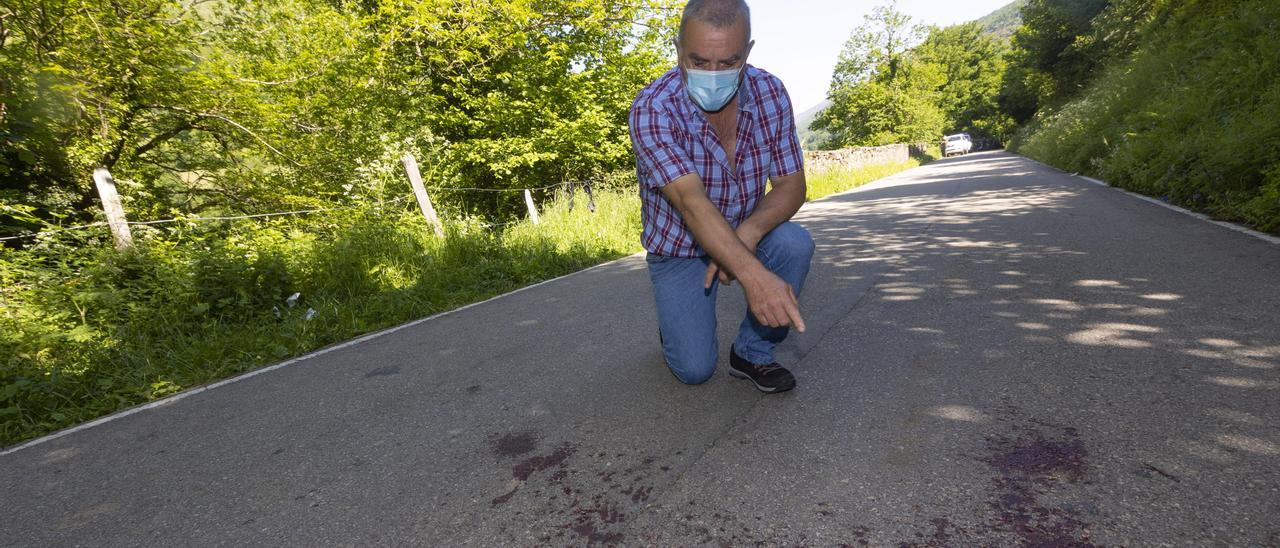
693, 369
791, 241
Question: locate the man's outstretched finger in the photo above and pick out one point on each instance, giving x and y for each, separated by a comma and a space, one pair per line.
711, 275
793, 311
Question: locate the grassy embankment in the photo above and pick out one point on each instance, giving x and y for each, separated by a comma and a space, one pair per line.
87, 331
1193, 117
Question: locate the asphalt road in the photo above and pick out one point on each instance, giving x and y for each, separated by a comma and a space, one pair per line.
997, 354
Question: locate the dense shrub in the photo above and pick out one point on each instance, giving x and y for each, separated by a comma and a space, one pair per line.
86, 330
1193, 116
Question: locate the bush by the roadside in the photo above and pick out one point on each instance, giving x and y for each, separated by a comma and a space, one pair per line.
86, 330
1192, 117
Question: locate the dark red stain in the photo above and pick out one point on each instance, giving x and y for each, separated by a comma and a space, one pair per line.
527, 467
1028, 465
641, 494
941, 537
861, 536
596, 499
498, 501
601, 510
593, 536
1036, 458
516, 444
589, 518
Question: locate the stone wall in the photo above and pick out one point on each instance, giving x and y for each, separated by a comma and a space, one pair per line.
850, 158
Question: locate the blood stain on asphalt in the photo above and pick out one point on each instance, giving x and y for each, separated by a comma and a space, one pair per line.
515, 444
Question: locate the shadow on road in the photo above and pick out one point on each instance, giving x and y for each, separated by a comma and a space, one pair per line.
1082, 347
998, 354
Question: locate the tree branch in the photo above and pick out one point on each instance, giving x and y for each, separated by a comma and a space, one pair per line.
282, 82
162, 137
4, 29
112, 156
231, 122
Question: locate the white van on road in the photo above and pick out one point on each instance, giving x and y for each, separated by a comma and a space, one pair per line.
959, 143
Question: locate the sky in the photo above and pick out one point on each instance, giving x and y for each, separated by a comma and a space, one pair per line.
799, 40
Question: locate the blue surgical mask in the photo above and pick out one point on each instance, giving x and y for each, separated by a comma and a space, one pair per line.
712, 89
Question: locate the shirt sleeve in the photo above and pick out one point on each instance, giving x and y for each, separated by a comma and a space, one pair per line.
786, 157
660, 157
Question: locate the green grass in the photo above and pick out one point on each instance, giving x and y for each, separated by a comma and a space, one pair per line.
1192, 118
85, 330
831, 181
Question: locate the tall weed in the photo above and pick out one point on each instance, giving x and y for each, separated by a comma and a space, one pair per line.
1193, 117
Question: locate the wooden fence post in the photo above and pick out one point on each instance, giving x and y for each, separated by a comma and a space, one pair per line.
111, 205
533, 211
420, 191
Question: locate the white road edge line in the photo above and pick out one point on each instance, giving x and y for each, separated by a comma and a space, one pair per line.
316, 353
1232, 226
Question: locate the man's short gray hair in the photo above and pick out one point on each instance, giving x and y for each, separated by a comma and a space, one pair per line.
717, 13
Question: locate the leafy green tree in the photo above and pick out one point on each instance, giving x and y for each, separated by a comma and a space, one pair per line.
972, 65
245, 106
77, 82
1048, 63
191, 105
881, 91
526, 92
1118, 30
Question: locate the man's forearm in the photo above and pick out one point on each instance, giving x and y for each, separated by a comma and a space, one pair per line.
776, 207
718, 238
769, 298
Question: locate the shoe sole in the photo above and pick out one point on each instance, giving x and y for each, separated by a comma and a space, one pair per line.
766, 389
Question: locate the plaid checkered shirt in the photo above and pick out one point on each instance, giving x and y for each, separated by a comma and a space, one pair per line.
673, 138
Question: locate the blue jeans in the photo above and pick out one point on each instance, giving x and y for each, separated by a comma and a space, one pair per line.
687, 311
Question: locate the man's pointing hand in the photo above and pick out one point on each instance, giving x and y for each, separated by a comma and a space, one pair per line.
772, 301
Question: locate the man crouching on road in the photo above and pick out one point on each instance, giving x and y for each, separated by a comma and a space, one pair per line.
707, 136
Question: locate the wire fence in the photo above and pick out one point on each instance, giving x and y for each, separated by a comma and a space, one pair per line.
569, 186
190, 220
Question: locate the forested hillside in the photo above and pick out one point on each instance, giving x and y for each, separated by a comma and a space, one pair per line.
1185, 106
808, 137
1003, 22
